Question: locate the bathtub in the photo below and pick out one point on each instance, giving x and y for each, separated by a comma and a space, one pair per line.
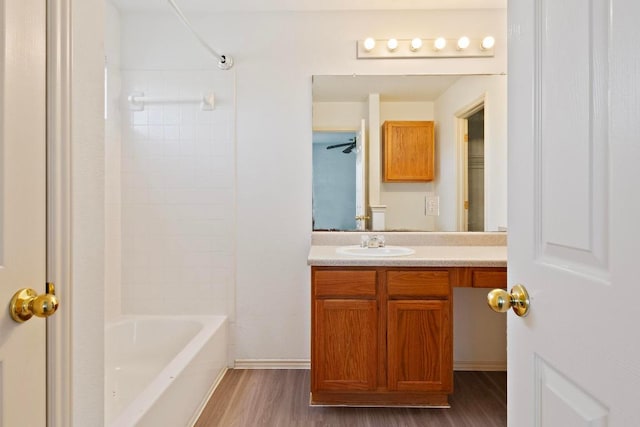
160, 370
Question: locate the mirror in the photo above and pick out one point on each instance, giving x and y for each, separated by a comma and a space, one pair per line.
469, 190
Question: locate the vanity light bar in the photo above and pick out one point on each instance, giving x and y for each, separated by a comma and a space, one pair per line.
408, 48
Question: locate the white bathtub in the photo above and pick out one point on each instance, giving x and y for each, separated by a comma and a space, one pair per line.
159, 370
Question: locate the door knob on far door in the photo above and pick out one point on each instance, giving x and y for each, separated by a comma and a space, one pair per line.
501, 301
27, 303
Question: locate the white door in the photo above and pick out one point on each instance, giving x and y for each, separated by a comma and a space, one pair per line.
574, 239
22, 208
361, 173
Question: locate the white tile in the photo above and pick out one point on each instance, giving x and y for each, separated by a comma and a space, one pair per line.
222, 262
173, 274
175, 196
148, 305
209, 305
188, 148
171, 115
172, 149
204, 132
177, 206
140, 133
188, 115
155, 195
171, 132
155, 117
187, 132
198, 275
201, 244
204, 116
204, 148
131, 196
151, 179
223, 149
156, 132
139, 117
197, 259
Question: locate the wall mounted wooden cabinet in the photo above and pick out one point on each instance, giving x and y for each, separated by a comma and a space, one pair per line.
408, 151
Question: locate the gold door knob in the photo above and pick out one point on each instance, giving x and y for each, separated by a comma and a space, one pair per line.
27, 303
501, 301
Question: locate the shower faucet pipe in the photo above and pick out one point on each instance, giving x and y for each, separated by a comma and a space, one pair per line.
225, 62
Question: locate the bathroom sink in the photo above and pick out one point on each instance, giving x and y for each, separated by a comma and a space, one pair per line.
374, 252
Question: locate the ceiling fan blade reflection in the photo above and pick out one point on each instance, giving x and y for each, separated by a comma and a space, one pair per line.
349, 148
339, 145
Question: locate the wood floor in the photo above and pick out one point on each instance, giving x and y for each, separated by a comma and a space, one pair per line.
280, 398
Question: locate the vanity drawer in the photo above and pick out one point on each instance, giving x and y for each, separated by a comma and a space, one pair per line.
489, 278
344, 283
423, 283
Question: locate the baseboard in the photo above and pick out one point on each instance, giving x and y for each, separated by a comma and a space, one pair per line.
306, 364
479, 366
272, 364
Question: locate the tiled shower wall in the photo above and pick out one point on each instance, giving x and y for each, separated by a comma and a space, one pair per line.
178, 194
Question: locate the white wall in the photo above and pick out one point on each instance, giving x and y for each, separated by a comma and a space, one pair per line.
112, 152
332, 116
276, 54
406, 201
87, 213
460, 95
479, 334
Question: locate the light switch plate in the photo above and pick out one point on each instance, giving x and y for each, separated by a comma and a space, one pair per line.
432, 205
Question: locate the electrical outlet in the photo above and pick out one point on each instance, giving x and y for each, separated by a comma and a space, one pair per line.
432, 205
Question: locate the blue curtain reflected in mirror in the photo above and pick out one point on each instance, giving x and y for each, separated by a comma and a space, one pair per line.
334, 181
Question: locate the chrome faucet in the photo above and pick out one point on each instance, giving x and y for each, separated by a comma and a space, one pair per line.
376, 241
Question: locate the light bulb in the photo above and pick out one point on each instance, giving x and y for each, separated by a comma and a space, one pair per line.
369, 43
463, 42
439, 43
488, 42
392, 44
416, 44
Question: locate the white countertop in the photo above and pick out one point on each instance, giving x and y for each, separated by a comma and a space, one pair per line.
424, 256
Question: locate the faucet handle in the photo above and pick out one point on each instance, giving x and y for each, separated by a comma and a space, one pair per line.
364, 240
380, 239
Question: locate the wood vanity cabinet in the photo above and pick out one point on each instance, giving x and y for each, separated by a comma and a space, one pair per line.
381, 336
419, 331
345, 329
408, 151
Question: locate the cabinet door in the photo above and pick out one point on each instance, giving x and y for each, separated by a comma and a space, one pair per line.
408, 151
420, 350
345, 344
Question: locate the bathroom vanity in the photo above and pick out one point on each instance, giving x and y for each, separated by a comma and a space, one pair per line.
382, 326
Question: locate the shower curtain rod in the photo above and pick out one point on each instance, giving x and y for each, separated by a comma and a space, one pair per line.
225, 62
